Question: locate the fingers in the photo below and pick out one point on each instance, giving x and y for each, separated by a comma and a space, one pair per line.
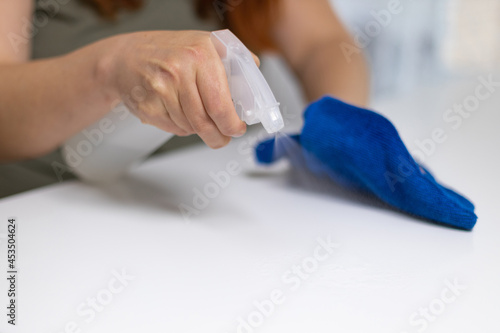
256, 59
189, 92
214, 91
173, 109
154, 112
200, 121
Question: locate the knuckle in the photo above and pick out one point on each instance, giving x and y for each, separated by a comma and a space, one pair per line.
158, 117
196, 53
216, 110
157, 83
202, 126
234, 128
172, 70
219, 104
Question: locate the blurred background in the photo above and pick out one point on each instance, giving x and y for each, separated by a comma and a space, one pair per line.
427, 43
429, 40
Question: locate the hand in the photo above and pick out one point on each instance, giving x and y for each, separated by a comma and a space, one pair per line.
362, 150
184, 83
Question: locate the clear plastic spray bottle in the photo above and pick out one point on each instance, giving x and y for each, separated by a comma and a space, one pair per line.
110, 147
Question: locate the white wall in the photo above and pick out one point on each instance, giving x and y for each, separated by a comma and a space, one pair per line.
425, 43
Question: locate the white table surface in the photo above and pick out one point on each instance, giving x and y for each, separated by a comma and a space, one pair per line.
203, 275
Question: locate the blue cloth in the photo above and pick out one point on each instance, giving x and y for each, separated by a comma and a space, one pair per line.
361, 149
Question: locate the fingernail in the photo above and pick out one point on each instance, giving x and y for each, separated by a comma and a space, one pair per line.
239, 135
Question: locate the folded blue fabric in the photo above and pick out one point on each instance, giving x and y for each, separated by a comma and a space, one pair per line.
361, 149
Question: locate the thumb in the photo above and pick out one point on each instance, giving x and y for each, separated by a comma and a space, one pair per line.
256, 59
272, 150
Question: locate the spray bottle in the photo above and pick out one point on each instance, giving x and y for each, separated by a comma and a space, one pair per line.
110, 147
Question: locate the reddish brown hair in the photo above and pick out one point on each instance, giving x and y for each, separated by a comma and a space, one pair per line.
250, 20
109, 8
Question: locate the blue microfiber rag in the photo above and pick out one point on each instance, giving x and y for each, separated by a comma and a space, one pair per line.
361, 149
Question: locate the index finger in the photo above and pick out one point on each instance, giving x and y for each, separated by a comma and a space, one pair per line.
214, 91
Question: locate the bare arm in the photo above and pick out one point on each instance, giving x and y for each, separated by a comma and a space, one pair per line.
44, 102
310, 36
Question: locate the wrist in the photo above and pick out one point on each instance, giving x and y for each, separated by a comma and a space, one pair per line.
106, 59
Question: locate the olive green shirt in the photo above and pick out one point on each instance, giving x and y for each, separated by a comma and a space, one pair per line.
62, 26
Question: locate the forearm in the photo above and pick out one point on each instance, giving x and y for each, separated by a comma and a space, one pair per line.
44, 102
327, 71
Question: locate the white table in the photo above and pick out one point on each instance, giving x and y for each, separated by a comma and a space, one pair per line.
203, 274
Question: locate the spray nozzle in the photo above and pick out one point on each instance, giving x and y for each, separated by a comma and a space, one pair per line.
252, 96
